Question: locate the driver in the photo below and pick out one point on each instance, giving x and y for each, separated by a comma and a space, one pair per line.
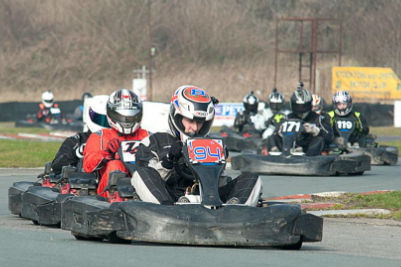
44, 113
316, 129
244, 119
71, 150
155, 180
342, 104
124, 115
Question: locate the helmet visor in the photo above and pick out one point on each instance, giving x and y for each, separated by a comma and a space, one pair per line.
276, 106
301, 108
129, 116
99, 119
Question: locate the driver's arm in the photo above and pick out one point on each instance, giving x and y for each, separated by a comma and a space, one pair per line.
326, 130
364, 125
94, 154
152, 150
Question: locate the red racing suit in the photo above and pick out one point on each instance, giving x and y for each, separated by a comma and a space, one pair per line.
44, 113
97, 158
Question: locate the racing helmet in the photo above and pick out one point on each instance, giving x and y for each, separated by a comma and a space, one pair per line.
276, 101
95, 114
300, 85
124, 111
317, 104
251, 102
47, 98
301, 103
342, 97
193, 103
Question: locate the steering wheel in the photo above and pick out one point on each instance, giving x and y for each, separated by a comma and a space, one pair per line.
183, 171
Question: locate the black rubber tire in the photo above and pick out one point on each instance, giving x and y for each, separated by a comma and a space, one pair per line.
86, 238
296, 246
113, 238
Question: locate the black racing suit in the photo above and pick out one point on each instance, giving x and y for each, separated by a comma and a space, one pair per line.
361, 126
243, 123
70, 152
154, 183
311, 145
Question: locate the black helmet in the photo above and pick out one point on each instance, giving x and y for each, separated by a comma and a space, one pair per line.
300, 85
276, 101
251, 103
301, 103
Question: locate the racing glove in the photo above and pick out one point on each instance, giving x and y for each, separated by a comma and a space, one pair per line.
112, 147
172, 155
311, 128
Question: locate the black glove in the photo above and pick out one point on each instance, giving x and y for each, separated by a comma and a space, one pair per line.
172, 155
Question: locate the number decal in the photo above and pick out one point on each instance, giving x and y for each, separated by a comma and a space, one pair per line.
290, 127
206, 150
128, 149
345, 125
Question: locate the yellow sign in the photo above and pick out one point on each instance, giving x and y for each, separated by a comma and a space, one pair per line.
362, 83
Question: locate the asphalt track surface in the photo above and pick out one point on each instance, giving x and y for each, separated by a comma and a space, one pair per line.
346, 242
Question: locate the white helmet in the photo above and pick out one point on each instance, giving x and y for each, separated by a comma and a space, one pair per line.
47, 98
192, 103
124, 111
342, 97
95, 116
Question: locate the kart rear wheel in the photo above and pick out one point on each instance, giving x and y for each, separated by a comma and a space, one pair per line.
113, 238
296, 246
86, 238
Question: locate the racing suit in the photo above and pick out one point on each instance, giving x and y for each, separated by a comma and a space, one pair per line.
44, 113
97, 158
70, 152
161, 185
311, 145
361, 126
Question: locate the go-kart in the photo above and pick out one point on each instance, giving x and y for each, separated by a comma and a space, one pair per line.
379, 154
202, 220
289, 161
248, 140
41, 201
57, 122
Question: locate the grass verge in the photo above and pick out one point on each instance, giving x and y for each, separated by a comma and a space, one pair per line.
22, 153
8, 128
390, 201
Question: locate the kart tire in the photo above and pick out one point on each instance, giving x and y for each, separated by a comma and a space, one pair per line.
296, 246
86, 238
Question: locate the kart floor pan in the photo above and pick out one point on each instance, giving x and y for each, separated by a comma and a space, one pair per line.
276, 225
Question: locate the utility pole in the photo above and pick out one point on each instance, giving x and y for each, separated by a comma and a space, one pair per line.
151, 53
